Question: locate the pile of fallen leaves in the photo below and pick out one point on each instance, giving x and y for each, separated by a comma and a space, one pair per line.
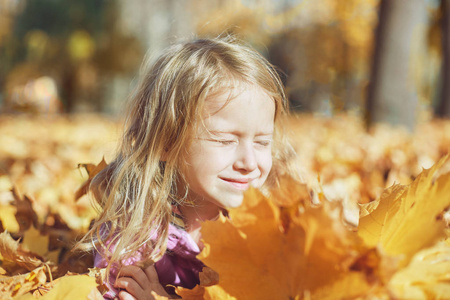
39, 217
353, 166
349, 232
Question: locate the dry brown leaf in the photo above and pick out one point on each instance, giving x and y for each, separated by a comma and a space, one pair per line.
92, 170
208, 277
14, 256
59, 233
25, 214
18, 285
100, 278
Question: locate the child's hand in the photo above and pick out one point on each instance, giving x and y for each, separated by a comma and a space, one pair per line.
138, 284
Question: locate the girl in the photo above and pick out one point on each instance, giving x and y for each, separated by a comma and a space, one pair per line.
200, 131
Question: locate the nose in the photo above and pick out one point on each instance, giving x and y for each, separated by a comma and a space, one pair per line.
245, 158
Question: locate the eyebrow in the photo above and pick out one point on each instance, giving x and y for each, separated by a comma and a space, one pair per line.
236, 133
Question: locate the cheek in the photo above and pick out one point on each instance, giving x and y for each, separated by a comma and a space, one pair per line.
265, 163
203, 160
268, 165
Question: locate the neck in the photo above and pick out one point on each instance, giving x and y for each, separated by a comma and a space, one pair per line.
193, 216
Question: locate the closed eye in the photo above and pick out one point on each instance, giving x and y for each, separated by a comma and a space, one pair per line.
222, 142
264, 143
225, 142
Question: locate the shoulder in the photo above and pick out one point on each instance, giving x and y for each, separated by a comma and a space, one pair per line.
180, 240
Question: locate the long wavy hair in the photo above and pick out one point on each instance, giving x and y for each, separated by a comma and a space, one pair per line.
137, 190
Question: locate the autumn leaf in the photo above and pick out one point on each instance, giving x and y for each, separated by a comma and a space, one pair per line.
352, 285
25, 214
18, 285
8, 219
281, 245
204, 293
92, 170
71, 287
35, 242
256, 258
426, 277
14, 256
208, 287
100, 278
208, 277
297, 250
405, 220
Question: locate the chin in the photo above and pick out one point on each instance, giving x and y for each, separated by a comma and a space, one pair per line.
235, 202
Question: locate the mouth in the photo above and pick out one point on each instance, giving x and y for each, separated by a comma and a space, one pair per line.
240, 184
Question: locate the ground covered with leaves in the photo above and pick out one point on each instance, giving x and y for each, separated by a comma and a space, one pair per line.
370, 220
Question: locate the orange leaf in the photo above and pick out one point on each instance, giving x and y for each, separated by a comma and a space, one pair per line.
197, 293
257, 259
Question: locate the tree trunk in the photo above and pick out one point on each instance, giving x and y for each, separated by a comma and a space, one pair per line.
444, 106
392, 96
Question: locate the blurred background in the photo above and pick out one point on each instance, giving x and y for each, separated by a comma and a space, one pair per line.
384, 60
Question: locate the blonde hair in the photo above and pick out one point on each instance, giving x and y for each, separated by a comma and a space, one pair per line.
137, 189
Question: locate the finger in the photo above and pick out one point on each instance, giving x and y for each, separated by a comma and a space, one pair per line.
123, 295
151, 273
130, 286
136, 273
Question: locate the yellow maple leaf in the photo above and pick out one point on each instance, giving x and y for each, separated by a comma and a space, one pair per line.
8, 218
405, 220
204, 293
71, 287
426, 277
35, 242
267, 251
353, 284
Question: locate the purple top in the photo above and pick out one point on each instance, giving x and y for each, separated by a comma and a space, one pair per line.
179, 265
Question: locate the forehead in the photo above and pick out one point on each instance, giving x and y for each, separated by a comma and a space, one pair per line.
244, 94
236, 109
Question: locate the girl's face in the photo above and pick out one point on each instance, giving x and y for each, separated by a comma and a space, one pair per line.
231, 151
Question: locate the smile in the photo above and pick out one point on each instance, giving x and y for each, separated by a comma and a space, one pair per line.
240, 184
